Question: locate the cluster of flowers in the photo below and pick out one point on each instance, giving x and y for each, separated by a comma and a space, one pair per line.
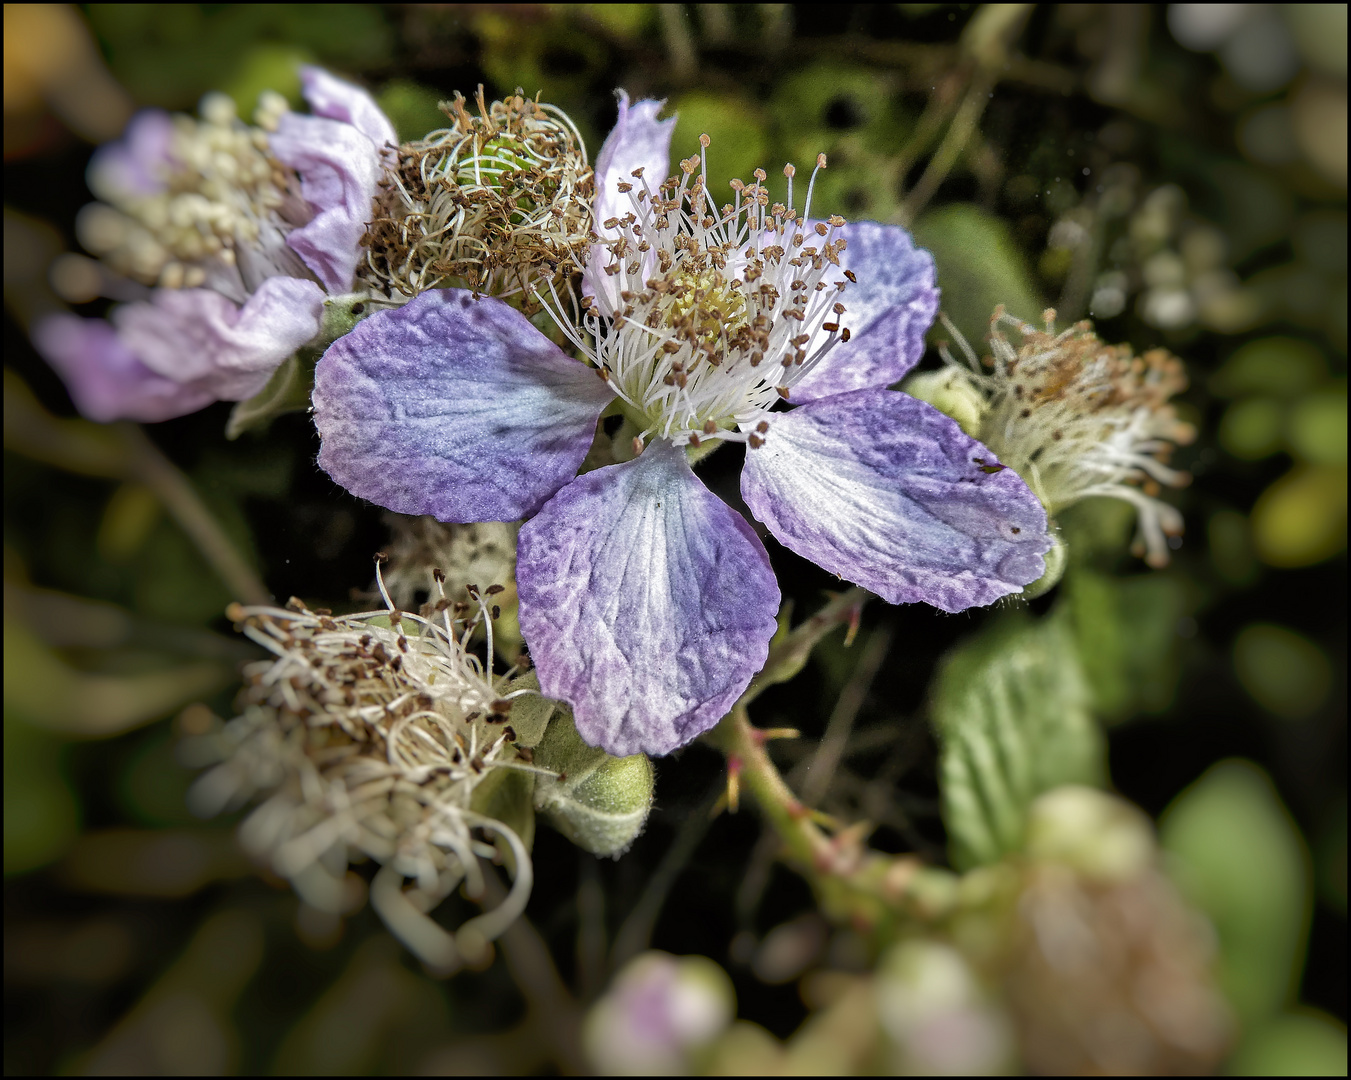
646, 601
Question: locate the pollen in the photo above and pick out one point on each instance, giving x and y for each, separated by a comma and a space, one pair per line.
691, 299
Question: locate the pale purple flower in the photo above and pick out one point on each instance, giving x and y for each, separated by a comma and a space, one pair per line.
242, 232
648, 603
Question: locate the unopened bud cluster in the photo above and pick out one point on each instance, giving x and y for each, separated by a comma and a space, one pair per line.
498, 202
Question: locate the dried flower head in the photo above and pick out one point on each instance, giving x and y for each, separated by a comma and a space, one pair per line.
1076, 417
497, 202
367, 735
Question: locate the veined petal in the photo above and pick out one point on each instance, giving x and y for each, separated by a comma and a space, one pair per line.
887, 492
887, 313
105, 379
198, 336
340, 100
647, 603
454, 407
339, 168
638, 141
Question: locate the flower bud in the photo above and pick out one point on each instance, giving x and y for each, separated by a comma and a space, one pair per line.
1056, 560
951, 393
598, 802
659, 1013
1104, 838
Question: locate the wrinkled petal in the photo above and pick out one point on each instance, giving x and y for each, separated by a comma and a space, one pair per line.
888, 312
340, 100
198, 336
889, 493
339, 169
454, 407
647, 603
134, 166
105, 379
638, 141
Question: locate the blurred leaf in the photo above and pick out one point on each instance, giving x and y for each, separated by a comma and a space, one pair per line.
1125, 630
182, 1026
1096, 531
77, 446
549, 57
153, 785
1240, 858
375, 1018
1231, 551
1303, 1043
42, 813
1011, 710
132, 513
412, 108
43, 689
169, 863
979, 267
1285, 672
1279, 366
1316, 429
737, 130
266, 66
627, 22
1252, 428
1301, 518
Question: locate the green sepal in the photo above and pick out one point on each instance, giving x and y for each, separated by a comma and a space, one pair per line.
598, 802
530, 713
1011, 710
287, 391
505, 795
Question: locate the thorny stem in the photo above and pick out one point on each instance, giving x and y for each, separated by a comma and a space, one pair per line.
864, 888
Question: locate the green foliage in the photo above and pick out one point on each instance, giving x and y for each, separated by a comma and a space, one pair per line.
42, 813
1125, 630
1011, 710
1295, 1043
979, 267
737, 132
412, 108
505, 796
1284, 671
1240, 858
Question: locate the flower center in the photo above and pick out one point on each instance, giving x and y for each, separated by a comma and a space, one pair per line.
703, 319
497, 201
183, 198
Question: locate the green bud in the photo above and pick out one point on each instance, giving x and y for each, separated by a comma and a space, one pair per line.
1101, 836
950, 392
598, 802
1056, 560
505, 795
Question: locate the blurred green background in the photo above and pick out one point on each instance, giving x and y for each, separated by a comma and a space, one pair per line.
1176, 173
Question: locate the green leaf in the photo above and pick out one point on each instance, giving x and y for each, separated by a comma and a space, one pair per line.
1239, 857
598, 802
287, 391
1303, 1043
1126, 633
1011, 710
979, 267
530, 713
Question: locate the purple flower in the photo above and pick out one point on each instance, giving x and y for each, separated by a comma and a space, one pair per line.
648, 604
241, 231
